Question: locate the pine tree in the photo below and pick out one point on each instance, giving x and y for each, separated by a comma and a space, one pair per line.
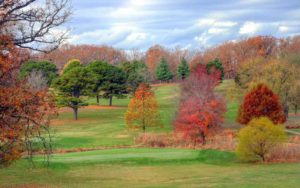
163, 71
183, 69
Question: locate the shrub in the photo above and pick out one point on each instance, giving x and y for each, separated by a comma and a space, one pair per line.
258, 139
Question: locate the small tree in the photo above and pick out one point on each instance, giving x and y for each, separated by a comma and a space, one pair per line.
215, 65
258, 138
142, 110
183, 69
163, 72
261, 101
72, 85
48, 69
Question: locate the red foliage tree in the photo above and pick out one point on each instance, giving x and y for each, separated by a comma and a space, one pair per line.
200, 111
261, 101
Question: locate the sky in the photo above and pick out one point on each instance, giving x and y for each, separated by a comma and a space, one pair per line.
140, 24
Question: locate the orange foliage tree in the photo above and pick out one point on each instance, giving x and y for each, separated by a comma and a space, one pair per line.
201, 111
143, 109
24, 112
261, 101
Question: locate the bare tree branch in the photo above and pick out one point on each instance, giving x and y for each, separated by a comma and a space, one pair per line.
34, 24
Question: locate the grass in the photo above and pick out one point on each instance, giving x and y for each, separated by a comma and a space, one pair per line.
140, 167
106, 127
151, 168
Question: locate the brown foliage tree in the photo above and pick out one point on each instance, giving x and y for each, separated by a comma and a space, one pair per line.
24, 113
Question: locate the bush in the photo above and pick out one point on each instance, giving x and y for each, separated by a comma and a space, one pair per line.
257, 140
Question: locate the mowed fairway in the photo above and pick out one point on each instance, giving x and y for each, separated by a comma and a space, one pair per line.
151, 168
139, 167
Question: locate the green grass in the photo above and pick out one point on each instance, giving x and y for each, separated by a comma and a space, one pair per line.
141, 167
151, 168
106, 127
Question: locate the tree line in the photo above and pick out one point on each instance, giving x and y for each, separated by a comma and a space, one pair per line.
231, 54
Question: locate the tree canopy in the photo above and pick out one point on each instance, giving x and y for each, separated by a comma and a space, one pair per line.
47, 68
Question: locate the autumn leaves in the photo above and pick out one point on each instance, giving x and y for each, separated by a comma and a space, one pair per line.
200, 111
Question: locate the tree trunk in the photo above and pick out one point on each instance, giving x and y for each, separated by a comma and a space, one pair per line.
286, 110
97, 97
110, 100
296, 108
203, 139
75, 110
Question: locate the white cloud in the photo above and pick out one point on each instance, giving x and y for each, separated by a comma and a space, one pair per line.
250, 28
206, 22
225, 24
283, 29
215, 30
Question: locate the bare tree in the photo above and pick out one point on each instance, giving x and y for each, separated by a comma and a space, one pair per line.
36, 81
33, 24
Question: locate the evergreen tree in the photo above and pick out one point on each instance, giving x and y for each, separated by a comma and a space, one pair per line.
163, 72
136, 73
72, 85
183, 69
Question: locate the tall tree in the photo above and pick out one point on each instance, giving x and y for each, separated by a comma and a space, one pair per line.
281, 76
163, 72
153, 57
261, 102
48, 69
72, 85
201, 111
142, 110
183, 69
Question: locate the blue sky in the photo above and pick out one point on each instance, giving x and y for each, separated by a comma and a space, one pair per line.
132, 24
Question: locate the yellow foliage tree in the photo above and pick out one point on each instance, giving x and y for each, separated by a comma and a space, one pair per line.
142, 110
258, 138
280, 76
